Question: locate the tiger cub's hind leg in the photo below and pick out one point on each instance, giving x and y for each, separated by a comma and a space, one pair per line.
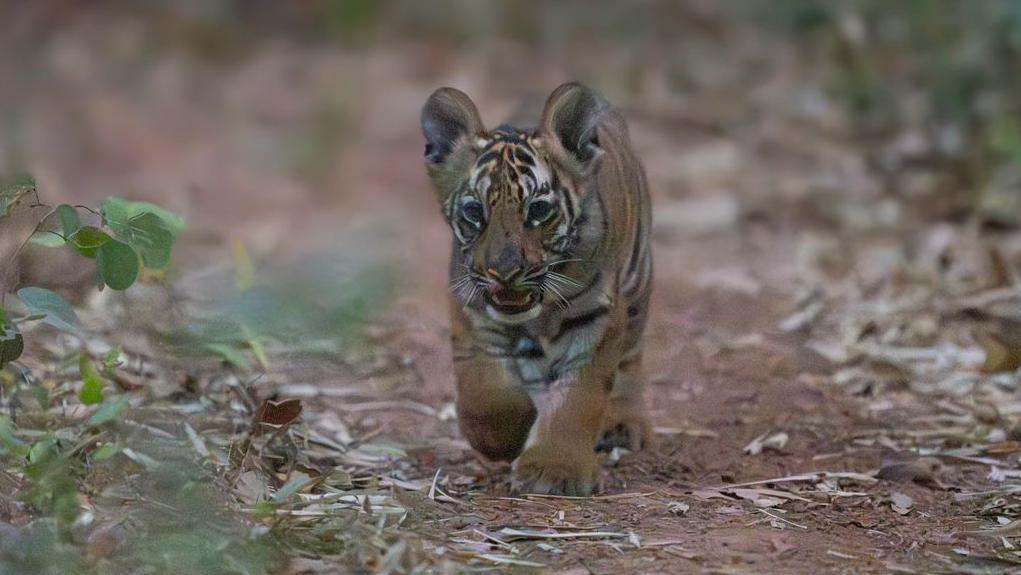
626, 422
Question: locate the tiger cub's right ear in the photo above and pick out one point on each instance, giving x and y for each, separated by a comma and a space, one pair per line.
449, 118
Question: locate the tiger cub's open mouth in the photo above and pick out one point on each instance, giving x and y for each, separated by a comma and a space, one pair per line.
512, 306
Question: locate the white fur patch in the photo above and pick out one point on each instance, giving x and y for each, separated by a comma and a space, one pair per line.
522, 317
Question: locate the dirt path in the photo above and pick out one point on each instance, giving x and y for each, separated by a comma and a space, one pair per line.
800, 299
722, 375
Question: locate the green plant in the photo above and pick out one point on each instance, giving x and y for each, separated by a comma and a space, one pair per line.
123, 237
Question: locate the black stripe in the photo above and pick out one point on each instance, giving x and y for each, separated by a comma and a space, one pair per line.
528, 174
640, 277
482, 173
602, 211
568, 204
490, 156
580, 321
521, 155
636, 251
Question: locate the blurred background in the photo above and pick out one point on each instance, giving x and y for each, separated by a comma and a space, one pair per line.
288, 128
269, 121
829, 178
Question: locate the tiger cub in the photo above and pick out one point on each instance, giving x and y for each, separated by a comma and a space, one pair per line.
550, 278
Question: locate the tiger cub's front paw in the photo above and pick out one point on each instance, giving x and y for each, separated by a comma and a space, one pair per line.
552, 472
625, 426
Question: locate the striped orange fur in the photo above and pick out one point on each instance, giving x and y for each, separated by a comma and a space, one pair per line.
550, 273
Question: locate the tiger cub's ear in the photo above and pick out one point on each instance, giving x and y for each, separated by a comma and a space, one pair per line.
449, 118
570, 121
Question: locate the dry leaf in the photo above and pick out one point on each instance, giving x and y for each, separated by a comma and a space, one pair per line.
890, 372
775, 442
767, 501
511, 534
901, 503
708, 494
922, 470
1002, 355
678, 507
278, 413
762, 493
1003, 448
1012, 529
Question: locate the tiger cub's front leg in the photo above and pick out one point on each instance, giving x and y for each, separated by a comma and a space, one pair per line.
626, 423
494, 411
559, 457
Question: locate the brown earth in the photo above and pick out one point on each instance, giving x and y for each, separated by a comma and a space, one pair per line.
763, 212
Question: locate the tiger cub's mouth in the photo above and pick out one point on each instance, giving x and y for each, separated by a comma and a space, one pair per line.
512, 306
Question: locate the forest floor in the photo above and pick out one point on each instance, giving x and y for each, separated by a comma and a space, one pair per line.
832, 361
770, 456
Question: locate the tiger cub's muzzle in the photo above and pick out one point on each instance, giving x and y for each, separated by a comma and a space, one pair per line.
507, 299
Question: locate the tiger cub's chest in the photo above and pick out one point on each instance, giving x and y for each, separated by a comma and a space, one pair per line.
543, 350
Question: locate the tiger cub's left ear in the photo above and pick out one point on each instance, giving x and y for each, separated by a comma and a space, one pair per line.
449, 119
570, 122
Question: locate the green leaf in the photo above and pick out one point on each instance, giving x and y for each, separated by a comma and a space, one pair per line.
45, 302
48, 239
112, 360
296, 484
115, 212
171, 221
69, 221
8, 440
117, 264
118, 212
108, 412
12, 189
42, 449
12, 345
383, 449
265, 509
88, 238
147, 228
152, 239
107, 451
244, 269
230, 354
92, 383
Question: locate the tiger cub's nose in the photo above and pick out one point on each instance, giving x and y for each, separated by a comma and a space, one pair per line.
506, 266
497, 282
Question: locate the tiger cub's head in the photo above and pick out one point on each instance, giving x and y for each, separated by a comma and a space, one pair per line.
515, 199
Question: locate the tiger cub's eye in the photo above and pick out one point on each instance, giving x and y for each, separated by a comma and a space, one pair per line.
539, 212
473, 212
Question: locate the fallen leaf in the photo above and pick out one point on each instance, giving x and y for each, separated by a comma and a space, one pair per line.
775, 442
1002, 355
251, 488
901, 503
279, 413
1003, 448
298, 482
1012, 529
767, 494
922, 470
678, 507
511, 534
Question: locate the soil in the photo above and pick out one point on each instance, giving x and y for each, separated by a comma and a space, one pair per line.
707, 410
759, 209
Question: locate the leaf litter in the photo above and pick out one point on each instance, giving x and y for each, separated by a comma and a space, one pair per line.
889, 345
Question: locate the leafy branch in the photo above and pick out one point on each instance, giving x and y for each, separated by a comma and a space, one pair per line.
128, 237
